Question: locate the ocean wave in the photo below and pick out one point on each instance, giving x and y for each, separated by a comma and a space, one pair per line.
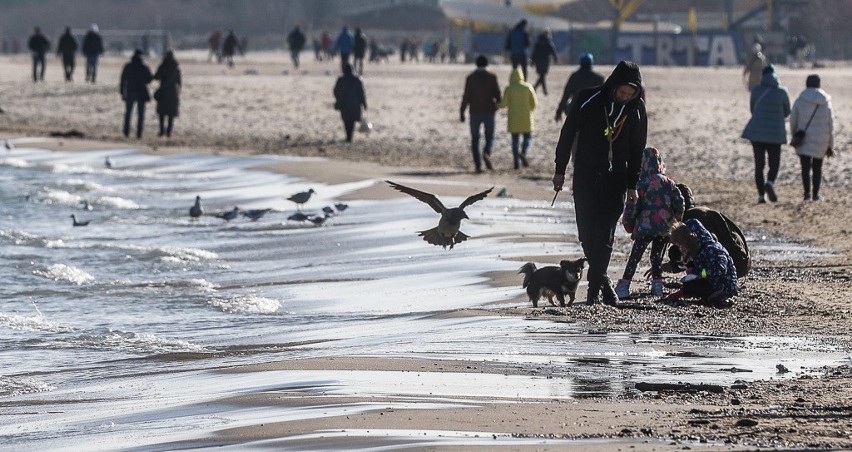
57, 196
17, 386
67, 273
15, 163
129, 342
81, 184
18, 237
118, 203
30, 323
246, 304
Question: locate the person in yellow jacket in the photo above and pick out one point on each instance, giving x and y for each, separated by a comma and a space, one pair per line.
520, 101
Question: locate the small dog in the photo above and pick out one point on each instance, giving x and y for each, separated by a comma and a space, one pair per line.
553, 281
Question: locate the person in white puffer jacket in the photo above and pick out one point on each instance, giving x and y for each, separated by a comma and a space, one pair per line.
818, 144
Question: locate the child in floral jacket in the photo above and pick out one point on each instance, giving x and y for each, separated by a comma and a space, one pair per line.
658, 207
712, 275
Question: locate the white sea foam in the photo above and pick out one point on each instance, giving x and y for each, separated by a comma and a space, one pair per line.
15, 162
118, 203
57, 196
10, 386
143, 343
16, 237
66, 273
82, 184
246, 304
30, 323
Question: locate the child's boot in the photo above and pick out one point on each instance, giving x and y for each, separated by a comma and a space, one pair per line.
657, 287
622, 289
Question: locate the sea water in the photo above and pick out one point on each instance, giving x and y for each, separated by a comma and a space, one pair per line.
138, 308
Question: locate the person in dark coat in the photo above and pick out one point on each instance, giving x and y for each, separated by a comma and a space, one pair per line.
93, 47
67, 49
168, 94
517, 43
38, 45
610, 126
359, 51
482, 94
543, 51
349, 98
582, 78
135, 78
296, 41
230, 48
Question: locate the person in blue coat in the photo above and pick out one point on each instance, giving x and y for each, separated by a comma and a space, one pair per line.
344, 44
712, 274
517, 43
770, 106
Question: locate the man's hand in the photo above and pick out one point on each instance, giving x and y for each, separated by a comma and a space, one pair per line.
461, 117
558, 182
829, 152
632, 196
558, 116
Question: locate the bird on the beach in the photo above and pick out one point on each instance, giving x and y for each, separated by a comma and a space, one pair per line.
229, 215
108, 163
328, 210
255, 214
196, 210
301, 197
86, 205
298, 216
78, 223
8, 145
318, 220
341, 206
447, 233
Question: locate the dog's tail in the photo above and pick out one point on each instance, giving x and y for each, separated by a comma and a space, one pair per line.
528, 269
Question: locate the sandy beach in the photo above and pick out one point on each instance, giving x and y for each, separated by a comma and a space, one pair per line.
264, 106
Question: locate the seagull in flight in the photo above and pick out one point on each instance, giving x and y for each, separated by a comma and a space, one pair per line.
447, 233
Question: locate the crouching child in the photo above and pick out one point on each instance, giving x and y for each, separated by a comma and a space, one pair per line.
711, 274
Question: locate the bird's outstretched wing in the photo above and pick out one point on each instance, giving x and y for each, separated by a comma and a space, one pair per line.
473, 198
428, 198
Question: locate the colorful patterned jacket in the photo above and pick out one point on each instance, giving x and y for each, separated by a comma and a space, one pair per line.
713, 263
659, 203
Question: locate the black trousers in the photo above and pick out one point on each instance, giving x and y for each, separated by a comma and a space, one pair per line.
761, 150
598, 203
809, 164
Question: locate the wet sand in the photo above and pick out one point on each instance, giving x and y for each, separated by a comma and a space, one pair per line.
264, 106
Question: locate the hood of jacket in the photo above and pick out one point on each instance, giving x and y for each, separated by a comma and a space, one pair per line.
348, 70
770, 79
517, 77
625, 73
652, 163
815, 96
701, 233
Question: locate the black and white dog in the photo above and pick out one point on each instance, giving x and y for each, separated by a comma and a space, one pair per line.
553, 281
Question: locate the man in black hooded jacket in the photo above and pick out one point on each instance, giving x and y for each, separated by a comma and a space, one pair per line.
610, 126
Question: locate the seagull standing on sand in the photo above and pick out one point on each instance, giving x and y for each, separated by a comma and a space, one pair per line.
341, 206
196, 210
298, 216
229, 215
318, 220
78, 223
301, 197
108, 163
8, 145
256, 214
447, 232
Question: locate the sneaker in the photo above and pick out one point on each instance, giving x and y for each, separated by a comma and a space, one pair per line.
817, 198
487, 160
478, 170
608, 296
769, 187
593, 294
622, 289
524, 160
657, 287
761, 200
807, 197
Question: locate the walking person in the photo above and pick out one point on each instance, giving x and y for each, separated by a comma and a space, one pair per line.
610, 125
658, 206
344, 44
812, 113
93, 47
230, 48
214, 44
520, 101
296, 41
753, 68
584, 77
38, 45
770, 106
359, 50
66, 48
349, 99
481, 94
543, 52
517, 43
135, 78
168, 94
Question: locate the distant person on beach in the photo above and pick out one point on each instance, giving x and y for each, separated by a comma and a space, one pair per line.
712, 276
584, 77
520, 101
359, 50
296, 41
66, 48
214, 43
543, 52
38, 45
168, 94
812, 112
344, 45
649, 220
481, 94
135, 78
770, 106
230, 48
93, 48
349, 99
517, 43
753, 69
610, 126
